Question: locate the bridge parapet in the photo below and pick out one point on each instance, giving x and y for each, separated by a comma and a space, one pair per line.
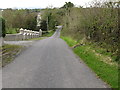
23, 35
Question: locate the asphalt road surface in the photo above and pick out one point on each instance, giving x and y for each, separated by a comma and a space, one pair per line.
49, 63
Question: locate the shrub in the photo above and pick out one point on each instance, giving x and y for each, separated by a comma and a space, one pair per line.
43, 25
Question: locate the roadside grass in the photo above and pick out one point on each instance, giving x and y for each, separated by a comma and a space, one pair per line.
69, 41
33, 39
98, 60
8, 52
48, 34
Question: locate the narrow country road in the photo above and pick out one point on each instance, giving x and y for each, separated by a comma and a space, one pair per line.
49, 63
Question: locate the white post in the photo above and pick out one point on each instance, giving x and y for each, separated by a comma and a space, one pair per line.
1, 41
40, 32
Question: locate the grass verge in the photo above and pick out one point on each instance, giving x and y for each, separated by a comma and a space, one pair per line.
100, 63
48, 34
8, 52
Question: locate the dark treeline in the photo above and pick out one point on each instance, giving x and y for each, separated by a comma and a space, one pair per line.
97, 23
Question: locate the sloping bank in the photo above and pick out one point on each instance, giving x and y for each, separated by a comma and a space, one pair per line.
97, 59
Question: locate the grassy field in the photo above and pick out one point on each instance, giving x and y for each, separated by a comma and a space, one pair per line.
8, 52
98, 60
12, 30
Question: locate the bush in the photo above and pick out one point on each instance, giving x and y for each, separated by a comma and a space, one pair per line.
2, 27
43, 25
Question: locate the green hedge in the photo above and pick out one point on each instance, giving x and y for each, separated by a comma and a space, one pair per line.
2, 27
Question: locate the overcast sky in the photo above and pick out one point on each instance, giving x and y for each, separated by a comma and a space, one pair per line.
38, 3
41, 3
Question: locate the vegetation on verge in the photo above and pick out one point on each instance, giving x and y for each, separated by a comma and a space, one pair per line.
103, 65
40, 38
8, 52
98, 24
48, 34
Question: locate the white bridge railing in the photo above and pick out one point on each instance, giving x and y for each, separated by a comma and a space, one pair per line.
23, 35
